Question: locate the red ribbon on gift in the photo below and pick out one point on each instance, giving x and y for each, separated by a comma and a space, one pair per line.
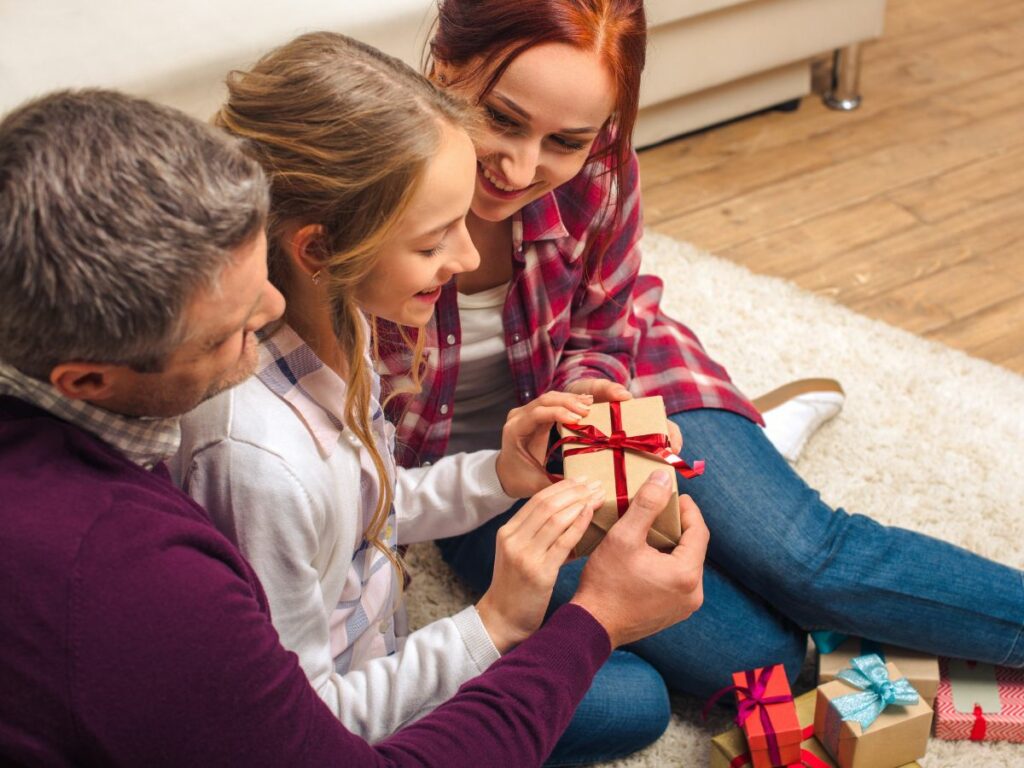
755, 701
807, 759
618, 442
980, 725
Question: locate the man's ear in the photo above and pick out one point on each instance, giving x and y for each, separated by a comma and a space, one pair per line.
86, 381
307, 248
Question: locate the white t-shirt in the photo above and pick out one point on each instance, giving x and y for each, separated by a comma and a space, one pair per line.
483, 393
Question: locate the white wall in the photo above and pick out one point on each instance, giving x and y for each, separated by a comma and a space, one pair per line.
178, 51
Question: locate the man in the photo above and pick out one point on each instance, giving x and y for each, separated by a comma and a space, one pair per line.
132, 279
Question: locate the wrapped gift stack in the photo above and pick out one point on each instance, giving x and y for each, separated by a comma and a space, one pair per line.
730, 750
870, 717
979, 702
621, 444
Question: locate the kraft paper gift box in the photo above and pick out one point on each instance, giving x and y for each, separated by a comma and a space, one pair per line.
729, 749
641, 417
898, 735
920, 669
979, 702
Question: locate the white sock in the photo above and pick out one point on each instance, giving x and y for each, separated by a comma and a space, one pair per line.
789, 425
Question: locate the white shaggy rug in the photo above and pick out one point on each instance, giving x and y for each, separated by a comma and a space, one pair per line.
930, 439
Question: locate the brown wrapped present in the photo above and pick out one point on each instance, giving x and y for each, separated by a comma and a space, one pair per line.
879, 722
729, 749
621, 444
921, 669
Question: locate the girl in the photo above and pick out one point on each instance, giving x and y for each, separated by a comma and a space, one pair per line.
371, 175
557, 303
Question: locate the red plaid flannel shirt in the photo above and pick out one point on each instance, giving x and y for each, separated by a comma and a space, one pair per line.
562, 324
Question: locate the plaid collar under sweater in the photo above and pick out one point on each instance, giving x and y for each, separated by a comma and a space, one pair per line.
144, 441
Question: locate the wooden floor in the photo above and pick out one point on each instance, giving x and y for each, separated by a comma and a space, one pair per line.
909, 210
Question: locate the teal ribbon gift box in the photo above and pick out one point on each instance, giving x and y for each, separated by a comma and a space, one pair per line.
871, 716
835, 651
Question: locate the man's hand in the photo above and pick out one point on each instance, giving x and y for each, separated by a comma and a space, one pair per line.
634, 590
526, 433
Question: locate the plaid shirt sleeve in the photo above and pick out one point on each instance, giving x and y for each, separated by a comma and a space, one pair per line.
604, 336
618, 330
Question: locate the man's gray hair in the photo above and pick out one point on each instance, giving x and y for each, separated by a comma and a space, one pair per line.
114, 212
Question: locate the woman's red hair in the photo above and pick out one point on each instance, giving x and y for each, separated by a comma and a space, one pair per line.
488, 31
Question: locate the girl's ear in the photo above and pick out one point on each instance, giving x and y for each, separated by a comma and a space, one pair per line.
307, 248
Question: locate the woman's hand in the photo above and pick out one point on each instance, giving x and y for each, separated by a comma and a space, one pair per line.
602, 390
530, 549
607, 391
526, 433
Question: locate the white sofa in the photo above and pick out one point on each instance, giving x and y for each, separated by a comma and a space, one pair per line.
712, 60
178, 52
709, 60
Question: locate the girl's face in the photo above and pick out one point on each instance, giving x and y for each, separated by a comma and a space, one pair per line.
430, 243
543, 116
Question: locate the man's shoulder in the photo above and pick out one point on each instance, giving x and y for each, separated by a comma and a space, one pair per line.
106, 567
57, 480
41, 455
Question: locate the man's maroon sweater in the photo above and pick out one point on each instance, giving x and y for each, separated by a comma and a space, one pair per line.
133, 633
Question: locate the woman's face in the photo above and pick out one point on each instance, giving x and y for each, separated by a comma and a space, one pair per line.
542, 118
430, 243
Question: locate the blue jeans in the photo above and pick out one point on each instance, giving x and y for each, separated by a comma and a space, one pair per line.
781, 561
627, 709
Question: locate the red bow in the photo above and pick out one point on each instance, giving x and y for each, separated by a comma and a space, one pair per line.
596, 440
593, 439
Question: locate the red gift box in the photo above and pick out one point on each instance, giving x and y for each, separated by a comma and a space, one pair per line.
979, 702
768, 716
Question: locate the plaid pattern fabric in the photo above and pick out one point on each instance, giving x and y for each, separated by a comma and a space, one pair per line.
145, 442
564, 320
361, 624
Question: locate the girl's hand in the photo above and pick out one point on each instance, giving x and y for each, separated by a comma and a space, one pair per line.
526, 432
607, 391
530, 549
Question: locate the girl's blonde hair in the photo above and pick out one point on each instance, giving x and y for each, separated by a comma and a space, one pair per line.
345, 133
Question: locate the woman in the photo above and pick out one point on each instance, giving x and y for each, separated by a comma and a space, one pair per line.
556, 219
371, 177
